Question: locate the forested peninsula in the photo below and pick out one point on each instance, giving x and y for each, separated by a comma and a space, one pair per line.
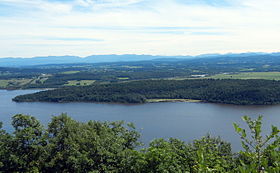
228, 91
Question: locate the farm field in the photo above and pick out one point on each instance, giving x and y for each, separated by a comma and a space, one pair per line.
79, 82
249, 75
14, 82
70, 72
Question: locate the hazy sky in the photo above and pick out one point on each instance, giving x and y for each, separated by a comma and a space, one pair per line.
163, 27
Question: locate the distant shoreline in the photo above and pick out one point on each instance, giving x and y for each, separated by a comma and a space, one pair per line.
172, 100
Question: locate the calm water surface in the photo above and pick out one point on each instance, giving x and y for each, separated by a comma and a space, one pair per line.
186, 121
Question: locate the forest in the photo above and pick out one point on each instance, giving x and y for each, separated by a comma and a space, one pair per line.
66, 145
239, 92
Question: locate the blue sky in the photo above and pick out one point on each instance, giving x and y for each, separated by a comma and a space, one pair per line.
159, 27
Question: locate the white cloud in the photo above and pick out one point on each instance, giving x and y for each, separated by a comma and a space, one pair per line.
165, 27
106, 3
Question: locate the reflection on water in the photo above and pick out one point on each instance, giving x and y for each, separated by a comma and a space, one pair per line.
186, 121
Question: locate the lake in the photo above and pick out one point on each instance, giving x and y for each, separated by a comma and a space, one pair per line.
186, 121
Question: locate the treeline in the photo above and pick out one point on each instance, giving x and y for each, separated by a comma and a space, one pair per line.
240, 92
112, 75
70, 146
145, 70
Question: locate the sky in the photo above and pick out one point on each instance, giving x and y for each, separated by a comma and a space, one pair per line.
158, 27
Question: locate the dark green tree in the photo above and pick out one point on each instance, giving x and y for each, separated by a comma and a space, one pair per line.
26, 145
91, 146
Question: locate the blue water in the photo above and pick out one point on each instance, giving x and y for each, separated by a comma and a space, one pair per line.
186, 121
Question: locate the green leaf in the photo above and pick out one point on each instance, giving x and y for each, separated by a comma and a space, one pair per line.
237, 128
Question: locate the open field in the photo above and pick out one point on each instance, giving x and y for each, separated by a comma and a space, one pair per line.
4, 83
13, 82
132, 67
70, 72
79, 82
249, 75
123, 78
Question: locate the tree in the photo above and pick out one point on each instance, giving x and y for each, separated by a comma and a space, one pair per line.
71, 146
27, 145
92, 146
166, 156
256, 145
4, 153
211, 154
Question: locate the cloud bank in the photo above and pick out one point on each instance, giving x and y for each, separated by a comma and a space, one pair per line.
162, 27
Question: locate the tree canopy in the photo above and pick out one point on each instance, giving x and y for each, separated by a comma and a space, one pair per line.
67, 145
240, 92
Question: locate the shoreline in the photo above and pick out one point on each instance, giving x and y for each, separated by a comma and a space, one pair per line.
173, 100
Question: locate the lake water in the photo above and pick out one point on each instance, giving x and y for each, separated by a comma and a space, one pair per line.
186, 121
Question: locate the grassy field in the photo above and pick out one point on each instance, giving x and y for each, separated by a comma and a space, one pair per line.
3, 83
132, 67
79, 83
70, 72
14, 82
123, 78
249, 75
40, 79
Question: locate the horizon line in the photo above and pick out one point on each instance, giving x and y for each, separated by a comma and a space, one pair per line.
186, 55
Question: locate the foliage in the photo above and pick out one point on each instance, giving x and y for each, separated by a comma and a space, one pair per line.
67, 145
166, 156
258, 148
25, 148
212, 154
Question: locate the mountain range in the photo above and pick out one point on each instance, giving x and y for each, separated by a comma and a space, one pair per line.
21, 62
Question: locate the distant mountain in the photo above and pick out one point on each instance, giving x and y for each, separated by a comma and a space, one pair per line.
113, 58
19, 62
